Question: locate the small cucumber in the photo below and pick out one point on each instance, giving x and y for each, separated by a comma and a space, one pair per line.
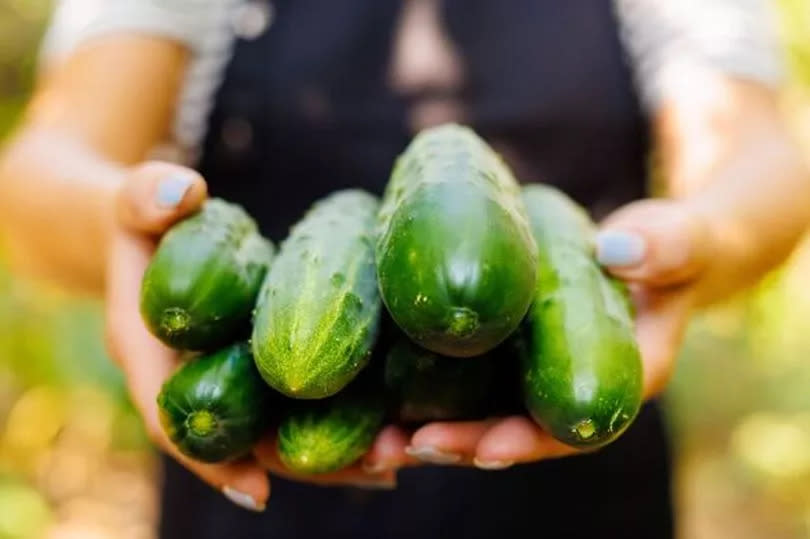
425, 386
319, 310
582, 370
201, 285
215, 407
330, 434
455, 258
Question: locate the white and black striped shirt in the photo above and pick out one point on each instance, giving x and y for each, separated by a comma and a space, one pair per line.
664, 40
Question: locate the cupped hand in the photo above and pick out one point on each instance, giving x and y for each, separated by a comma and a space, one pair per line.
662, 249
152, 197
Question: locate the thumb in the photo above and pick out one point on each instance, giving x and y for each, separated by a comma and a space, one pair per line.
155, 195
656, 242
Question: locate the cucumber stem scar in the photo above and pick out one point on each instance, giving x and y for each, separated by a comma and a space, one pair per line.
463, 322
585, 429
201, 422
174, 320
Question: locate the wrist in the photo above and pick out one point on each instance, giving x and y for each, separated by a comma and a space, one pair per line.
735, 259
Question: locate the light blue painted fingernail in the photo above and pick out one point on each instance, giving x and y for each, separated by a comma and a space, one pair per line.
171, 190
619, 248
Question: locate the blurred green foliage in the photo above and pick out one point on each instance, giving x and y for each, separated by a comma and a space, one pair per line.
21, 26
794, 22
64, 414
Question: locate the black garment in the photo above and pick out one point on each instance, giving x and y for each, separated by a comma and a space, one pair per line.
305, 110
620, 492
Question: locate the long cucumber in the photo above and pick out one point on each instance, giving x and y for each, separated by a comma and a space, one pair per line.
455, 258
318, 313
582, 371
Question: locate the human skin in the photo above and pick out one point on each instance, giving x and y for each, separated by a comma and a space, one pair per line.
80, 206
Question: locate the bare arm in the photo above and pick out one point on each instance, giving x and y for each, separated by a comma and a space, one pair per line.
738, 203
732, 158
739, 194
99, 113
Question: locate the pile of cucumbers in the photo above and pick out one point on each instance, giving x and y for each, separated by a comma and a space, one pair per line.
458, 296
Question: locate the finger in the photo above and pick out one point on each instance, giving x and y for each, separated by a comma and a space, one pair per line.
244, 482
155, 195
660, 325
514, 440
147, 363
448, 442
657, 242
266, 453
388, 451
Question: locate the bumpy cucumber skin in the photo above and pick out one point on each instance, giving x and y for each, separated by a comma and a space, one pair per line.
200, 288
226, 389
581, 365
424, 386
455, 258
319, 310
330, 434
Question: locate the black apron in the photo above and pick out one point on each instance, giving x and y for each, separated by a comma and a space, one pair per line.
305, 109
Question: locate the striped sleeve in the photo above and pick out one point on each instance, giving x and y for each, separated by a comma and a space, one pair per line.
186, 21
205, 26
670, 42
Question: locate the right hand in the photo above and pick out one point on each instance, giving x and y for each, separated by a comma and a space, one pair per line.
151, 199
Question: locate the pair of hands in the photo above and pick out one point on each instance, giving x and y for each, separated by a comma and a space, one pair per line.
659, 246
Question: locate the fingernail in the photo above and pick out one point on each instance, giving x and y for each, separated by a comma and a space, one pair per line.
241, 499
171, 190
374, 468
428, 453
493, 464
618, 248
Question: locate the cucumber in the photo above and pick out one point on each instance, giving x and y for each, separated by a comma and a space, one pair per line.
327, 435
215, 407
455, 258
425, 386
319, 310
581, 365
201, 285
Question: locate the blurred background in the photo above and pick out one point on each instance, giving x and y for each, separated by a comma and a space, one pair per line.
74, 462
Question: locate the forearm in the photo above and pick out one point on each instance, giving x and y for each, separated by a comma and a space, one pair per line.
56, 203
757, 210
93, 118
737, 166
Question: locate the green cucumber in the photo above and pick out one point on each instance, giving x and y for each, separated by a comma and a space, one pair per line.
582, 370
425, 386
215, 407
319, 310
330, 434
455, 258
200, 288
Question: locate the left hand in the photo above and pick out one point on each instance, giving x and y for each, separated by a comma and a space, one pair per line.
663, 249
